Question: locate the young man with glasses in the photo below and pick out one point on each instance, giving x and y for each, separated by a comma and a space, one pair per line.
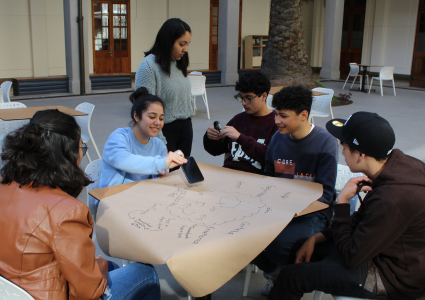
247, 134
300, 151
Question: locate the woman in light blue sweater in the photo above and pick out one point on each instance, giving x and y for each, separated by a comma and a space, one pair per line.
135, 153
164, 73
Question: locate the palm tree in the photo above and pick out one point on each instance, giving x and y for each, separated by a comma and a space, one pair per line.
285, 61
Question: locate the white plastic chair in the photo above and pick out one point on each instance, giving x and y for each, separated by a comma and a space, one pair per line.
93, 170
250, 268
343, 175
322, 105
12, 105
354, 72
269, 101
386, 73
198, 89
9, 291
8, 126
6, 86
84, 123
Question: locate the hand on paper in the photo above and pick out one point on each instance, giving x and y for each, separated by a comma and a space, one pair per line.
231, 132
213, 134
175, 159
350, 189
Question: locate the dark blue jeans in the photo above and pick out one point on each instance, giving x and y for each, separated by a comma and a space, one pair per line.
133, 282
277, 253
325, 272
179, 135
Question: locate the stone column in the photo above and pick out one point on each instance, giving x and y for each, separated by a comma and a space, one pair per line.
228, 32
38, 38
316, 52
70, 11
87, 14
332, 39
378, 40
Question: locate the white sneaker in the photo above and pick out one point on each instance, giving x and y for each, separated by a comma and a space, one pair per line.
270, 282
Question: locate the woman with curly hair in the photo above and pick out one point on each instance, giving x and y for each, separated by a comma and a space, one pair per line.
45, 233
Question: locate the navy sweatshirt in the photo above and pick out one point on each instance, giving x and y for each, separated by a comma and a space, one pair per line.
248, 153
313, 158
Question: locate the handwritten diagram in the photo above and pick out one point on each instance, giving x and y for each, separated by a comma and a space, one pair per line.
206, 232
200, 213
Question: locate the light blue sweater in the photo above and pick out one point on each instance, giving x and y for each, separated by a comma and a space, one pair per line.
126, 160
174, 90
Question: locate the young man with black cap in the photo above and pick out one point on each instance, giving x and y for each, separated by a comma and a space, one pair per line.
300, 151
247, 135
378, 252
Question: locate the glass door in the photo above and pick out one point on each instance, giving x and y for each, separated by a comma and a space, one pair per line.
418, 61
111, 37
352, 34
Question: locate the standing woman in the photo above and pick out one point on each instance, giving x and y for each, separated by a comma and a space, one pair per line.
164, 73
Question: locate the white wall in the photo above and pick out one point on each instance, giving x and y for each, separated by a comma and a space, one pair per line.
308, 16
196, 13
317, 33
255, 20
399, 35
147, 17
32, 38
394, 25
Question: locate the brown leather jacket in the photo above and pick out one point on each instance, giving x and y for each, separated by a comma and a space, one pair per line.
46, 245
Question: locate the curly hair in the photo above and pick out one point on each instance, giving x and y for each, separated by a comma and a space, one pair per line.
296, 98
45, 152
141, 100
168, 34
253, 81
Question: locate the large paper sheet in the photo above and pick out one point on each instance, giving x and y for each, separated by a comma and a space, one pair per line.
205, 232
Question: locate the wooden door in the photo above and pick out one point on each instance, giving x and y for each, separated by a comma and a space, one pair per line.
111, 36
352, 33
418, 61
213, 63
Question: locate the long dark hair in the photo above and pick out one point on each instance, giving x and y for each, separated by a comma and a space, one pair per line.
141, 100
45, 152
169, 32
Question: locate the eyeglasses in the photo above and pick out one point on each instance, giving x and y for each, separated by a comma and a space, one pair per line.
84, 148
247, 99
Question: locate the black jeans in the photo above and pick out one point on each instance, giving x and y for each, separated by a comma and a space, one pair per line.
179, 135
325, 272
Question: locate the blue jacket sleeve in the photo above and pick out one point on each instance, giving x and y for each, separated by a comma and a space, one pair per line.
327, 170
163, 154
117, 154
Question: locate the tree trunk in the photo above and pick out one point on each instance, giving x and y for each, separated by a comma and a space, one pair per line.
285, 61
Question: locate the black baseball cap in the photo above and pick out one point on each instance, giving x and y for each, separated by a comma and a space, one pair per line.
366, 132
